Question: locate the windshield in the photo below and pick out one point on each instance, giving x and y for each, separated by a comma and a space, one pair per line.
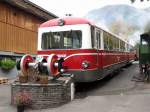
62, 40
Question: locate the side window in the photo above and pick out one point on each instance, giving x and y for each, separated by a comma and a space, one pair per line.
92, 36
127, 47
115, 44
122, 45
98, 39
110, 42
95, 38
106, 40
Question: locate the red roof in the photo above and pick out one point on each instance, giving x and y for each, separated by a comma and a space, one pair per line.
67, 21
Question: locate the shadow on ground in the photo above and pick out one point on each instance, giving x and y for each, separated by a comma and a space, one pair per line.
106, 85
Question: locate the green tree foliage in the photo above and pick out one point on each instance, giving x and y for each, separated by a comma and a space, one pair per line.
132, 1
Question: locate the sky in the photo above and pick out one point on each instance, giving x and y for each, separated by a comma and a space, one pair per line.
80, 8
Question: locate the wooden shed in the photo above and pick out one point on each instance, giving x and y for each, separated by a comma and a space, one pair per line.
19, 21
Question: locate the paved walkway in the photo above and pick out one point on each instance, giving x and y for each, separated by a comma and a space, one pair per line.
101, 98
9, 74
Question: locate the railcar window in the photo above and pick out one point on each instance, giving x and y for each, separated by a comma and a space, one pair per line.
122, 45
145, 46
98, 40
127, 47
62, 40
116, 44
111, 42
92, 36
99, 36
106, 41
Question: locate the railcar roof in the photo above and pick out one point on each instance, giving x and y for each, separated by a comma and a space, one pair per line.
67, 21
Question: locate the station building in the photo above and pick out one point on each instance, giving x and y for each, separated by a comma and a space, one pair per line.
19, 21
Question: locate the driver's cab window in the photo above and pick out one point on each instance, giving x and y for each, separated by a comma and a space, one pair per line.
145, 45
144, 42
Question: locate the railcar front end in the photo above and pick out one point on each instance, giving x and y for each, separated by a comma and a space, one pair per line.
68, 40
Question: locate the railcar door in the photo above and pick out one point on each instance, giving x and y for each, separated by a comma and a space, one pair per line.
95, 44
98, 43
98, 39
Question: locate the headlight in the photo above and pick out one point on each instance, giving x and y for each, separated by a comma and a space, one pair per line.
61, 22
85, 64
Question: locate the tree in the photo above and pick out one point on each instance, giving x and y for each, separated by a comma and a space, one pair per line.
132, 1
122, 28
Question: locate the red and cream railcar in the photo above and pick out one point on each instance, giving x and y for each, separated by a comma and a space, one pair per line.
88, 52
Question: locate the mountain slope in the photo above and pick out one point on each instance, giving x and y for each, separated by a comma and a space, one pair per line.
129, 16
108, 14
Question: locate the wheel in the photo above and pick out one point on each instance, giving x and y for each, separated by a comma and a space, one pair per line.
24, 63
52, 70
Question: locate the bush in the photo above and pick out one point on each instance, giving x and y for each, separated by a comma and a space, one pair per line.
7, 64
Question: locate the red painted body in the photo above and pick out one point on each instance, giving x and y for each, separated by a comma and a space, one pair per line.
68, 21
74, 58
99, 60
